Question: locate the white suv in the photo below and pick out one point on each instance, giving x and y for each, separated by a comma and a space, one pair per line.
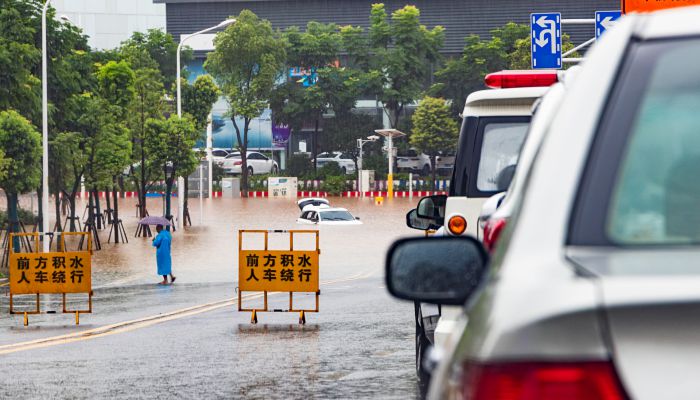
412, 161
344, 161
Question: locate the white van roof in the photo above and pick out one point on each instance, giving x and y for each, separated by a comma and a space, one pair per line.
498, 102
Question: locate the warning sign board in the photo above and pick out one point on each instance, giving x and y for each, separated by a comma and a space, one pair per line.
278, 271
65, 272
629, 6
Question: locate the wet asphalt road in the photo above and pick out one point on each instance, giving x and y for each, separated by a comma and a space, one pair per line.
189, 341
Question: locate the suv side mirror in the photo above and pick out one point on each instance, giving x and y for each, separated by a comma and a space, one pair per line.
433, 207
413, 221
445, 270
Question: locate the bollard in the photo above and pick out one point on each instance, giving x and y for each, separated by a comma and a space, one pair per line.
379, 200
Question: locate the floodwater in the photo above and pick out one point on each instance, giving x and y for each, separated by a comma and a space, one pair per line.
360, 344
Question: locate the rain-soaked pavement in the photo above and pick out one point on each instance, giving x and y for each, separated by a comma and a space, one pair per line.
189, 341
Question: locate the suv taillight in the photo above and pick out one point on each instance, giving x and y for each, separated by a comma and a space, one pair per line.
492, 231
586, 380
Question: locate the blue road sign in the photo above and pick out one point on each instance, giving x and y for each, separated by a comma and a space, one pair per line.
605, 20
546, 40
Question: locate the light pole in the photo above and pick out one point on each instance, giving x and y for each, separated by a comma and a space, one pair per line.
390, 134
360, 143
180, 181
44, 133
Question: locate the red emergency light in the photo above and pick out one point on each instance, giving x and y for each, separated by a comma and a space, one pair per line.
520, 79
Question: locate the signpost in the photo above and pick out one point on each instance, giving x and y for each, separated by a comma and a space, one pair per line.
545, 30
647, 5
605, 20
59, 272
265, 270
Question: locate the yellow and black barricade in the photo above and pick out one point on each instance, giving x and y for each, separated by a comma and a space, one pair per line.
60, 272
265, 270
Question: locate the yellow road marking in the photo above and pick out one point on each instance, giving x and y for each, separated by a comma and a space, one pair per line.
128, 326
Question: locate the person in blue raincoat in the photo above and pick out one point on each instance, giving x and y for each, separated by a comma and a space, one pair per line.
162, 243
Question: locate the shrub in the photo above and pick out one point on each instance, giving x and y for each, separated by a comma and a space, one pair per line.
335, 185
328, 170
299, 165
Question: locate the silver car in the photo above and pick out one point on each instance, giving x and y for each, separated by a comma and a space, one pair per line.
593, 291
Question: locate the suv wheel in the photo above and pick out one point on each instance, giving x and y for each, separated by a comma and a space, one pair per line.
250, 171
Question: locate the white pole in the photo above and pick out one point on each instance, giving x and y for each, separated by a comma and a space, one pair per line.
201, 195
359, 168
210, 157
410, 185
45, 133
180, 180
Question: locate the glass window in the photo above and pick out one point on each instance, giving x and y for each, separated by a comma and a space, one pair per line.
657, 192
325, 155
499, 154
336, 216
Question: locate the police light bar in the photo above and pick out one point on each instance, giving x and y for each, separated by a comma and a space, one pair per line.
521, 79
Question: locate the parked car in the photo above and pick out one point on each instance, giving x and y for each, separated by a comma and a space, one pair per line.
592, 291
258, 164
344, 161
412, 161
324, 215
218, 155
313, 202
445, 163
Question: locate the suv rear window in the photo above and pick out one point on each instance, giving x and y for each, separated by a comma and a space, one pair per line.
499, 154
645, 163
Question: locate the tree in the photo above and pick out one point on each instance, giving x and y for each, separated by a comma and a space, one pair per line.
246, 62
170, 143
404, 52
21, 144
155, 49
147, 104
434, 129
197, 101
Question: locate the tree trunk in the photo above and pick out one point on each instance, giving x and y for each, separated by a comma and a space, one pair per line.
168, 191
73, 212
115, 213
57, 203
97, 220
91, 207
185, 200
13, 218
109, 206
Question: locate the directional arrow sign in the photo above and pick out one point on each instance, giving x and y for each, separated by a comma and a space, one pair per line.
545, 30
605, 20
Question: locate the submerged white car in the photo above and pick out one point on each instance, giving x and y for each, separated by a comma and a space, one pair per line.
325, 215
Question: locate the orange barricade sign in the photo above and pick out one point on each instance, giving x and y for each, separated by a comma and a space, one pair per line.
654, 5
292, 271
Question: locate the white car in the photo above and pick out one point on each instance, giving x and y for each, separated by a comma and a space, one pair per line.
325, 215
258, 164
218, 155
344, 161
412, 161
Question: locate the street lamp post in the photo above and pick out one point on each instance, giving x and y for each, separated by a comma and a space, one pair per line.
390, 134
180, 181
360, 143
45, 133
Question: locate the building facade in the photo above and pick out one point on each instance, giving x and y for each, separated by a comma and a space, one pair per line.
110, 22
459, 17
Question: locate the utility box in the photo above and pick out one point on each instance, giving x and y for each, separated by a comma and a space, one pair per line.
194, 181
282, 187
231, 187
366, 180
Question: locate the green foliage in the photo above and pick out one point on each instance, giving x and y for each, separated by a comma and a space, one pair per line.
404, 52
116, 84
247, 60
299, 165
198, 99
335, 184
341, 133
329, 169
378, 163
155, 49
434, 129
171, 141
22, 146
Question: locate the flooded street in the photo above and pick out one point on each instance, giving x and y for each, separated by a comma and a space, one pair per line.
188, 340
